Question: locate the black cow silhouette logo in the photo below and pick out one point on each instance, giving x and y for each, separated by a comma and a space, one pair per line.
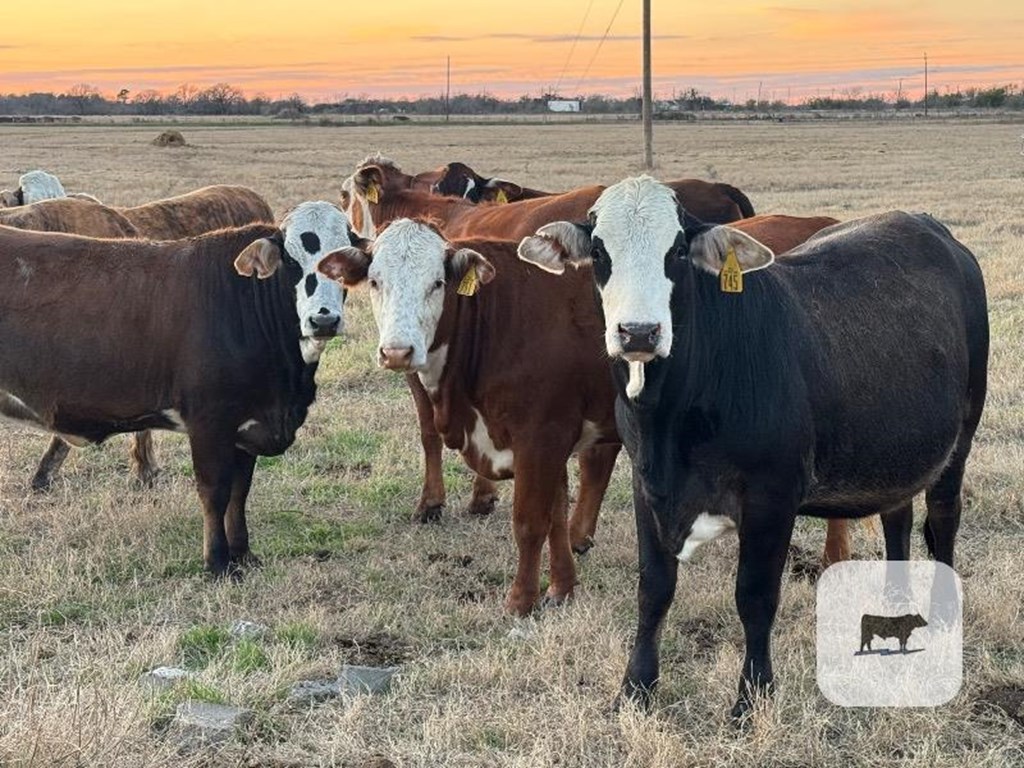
885, 627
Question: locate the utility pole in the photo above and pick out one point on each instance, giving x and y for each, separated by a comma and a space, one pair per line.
448, 89
926, 83
646, 110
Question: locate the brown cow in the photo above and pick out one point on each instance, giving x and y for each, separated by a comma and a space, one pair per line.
707, 200
195, 213
393, 178
69, 215
79, 217
227, 328
505, 417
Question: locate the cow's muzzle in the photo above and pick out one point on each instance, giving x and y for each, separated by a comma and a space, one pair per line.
325, 324
395, 358
639, 340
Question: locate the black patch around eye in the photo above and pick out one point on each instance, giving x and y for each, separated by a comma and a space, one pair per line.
602, 264
311, 282
310, 241
679, 250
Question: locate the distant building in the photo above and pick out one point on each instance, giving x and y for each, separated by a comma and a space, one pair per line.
563, 105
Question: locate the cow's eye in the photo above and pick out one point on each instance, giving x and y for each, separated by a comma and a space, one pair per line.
438, 284
373, 284
598, 253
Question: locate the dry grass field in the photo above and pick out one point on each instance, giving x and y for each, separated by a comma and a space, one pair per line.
100, 581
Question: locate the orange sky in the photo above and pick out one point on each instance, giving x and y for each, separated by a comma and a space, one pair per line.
325, 50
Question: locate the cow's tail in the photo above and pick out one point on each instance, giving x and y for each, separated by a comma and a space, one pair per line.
741, 200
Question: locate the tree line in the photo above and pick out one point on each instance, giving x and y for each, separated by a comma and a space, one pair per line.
226, 99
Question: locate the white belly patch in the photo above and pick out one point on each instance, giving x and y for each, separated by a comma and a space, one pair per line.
480, 440
705, 528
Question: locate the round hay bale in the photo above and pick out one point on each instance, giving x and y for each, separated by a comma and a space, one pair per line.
169, 139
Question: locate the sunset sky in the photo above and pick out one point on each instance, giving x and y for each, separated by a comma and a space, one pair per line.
326, 50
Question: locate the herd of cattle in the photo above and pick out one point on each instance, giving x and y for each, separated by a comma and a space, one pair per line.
837, 380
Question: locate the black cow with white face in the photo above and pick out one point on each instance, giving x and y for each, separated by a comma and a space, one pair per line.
838, 382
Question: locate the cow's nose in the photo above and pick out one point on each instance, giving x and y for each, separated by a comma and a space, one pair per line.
639, 337
394, 358
325, 323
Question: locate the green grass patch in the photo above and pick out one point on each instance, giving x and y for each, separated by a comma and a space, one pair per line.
298, 635
292, 533
200, 645
249, 656
64, 613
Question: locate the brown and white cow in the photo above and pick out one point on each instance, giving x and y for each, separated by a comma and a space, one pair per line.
200, 211
226, 330
462, 315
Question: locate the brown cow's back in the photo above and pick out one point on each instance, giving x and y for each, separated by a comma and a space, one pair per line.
783, 233
69, 215
195, 213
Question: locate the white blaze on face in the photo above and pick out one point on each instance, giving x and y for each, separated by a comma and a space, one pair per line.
705, 528
406, 281
311, 231
637, 221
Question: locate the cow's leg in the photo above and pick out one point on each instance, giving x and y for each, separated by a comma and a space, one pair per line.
657, 587
563, 569
143, 457
596, 466
944, 508
432, 498
896, 525
485, 497
234, 520
50, 462
214, 463
539, 471
765, 532
837, 542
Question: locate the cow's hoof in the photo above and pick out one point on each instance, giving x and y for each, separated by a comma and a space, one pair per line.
41, 483
428, 514
633, 696
551, 602
741, 712
519, 604
482, 507
147, 477
583, 546
246, 560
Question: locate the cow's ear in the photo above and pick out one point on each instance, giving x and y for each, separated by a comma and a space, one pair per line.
556, 245
369, 182
470, 269
10, 198
710, 249
260, 258
501, 191
347, 265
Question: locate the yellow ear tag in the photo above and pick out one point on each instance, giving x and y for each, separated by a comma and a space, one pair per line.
469, 284
373, 194
501, 197
731, 276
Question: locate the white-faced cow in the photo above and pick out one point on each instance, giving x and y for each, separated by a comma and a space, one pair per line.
463, 316
33, 187
217, 337
838, 382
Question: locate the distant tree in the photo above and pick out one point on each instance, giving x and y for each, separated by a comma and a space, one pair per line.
122, 96
82, 96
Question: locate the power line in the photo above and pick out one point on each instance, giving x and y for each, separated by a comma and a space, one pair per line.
572, 48
598, 49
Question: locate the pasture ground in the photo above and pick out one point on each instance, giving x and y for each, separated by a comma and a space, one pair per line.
100, 581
